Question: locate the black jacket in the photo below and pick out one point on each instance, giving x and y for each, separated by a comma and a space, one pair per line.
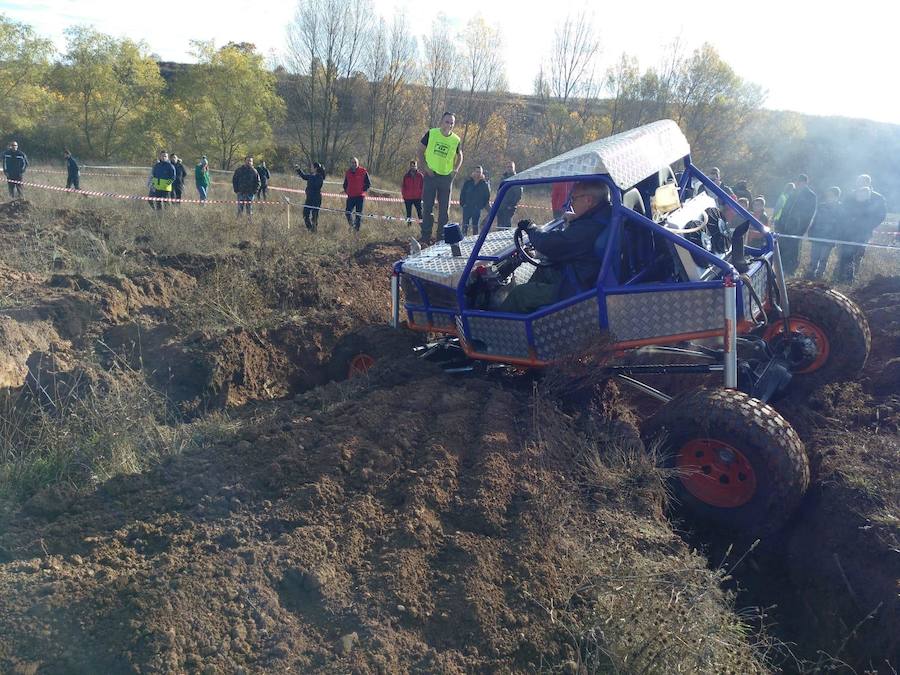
798, 213
861, 218
829, 221
245, 180
475, 196
514, 194
574, 245
263, 175
180, 173
314, 182
72, 167
14, 163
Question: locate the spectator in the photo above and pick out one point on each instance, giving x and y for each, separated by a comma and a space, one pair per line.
758, 209
559, 196
826, 225
201, 178
356, 184
411, 189
264, 176
473, 198
314, 181
864, 211
440, 154
14, 165
782, 200
716, 176
741, 190
72, 171
795, 219
510, 200
180, 175
162, 178
245, 183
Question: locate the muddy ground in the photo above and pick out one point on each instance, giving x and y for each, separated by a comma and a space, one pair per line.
409, 521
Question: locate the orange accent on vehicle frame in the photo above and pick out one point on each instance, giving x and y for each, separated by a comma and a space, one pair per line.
715, 473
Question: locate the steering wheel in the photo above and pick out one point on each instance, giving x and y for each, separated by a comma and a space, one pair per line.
525, 251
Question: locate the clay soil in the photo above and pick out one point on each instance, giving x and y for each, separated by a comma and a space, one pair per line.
407, 521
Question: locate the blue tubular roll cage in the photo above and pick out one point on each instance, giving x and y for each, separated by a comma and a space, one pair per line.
606, 283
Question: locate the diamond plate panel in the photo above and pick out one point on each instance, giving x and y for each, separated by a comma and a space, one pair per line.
566, 331
636, 316
759, 281
504, 337
628, 157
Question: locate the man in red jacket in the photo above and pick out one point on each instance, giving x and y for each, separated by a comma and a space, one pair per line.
356, 183
411, 189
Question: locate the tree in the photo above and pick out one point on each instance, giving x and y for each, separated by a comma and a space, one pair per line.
567, 89
325, 48
483, 75
390, 69
112, 95
230, 102
439, 72
24, 61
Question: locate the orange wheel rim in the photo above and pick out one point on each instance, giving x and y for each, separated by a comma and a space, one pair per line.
359, 365
716, 473
804, 328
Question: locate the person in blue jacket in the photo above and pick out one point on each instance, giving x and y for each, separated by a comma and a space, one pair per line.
162, 179
73, 172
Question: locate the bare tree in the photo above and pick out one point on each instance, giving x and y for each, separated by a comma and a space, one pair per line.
567, 89
390, 69
324, 50
439, 67
483, 73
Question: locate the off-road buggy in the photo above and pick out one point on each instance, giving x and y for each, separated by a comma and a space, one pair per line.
676, 282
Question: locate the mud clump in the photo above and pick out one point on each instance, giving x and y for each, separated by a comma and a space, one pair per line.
370, 528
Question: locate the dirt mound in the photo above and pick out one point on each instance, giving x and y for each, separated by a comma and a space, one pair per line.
835, 578
485, 532
14, 213
17, 342
383, 253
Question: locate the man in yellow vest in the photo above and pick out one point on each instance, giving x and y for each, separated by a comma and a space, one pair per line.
440, 155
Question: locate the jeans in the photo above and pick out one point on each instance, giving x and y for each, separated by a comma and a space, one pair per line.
177, 190
849, 259
354, 204
473, 217
202, 191
439, 187
410, 203
311, 214
818, 259
72, 182
790, 255
14, 188
263, 192
505, 215
245, 203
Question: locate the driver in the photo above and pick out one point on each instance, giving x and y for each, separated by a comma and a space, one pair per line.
574, 263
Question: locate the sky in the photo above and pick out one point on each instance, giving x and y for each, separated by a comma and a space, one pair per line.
810, 57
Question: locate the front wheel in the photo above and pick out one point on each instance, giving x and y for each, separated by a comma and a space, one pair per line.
358, 351
828, 337
736, 462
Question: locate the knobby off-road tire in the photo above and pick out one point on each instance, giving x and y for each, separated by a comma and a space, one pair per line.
356, 352
736, 462
836, 325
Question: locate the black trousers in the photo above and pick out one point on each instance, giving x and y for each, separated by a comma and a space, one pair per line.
73, 182
311, 214
354, 204
15, 189
410, 203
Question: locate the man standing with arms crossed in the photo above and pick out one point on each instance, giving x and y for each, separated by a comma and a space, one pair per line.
440, 156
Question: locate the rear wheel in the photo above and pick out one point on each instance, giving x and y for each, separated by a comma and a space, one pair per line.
357, 352
828, 337
737, 463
